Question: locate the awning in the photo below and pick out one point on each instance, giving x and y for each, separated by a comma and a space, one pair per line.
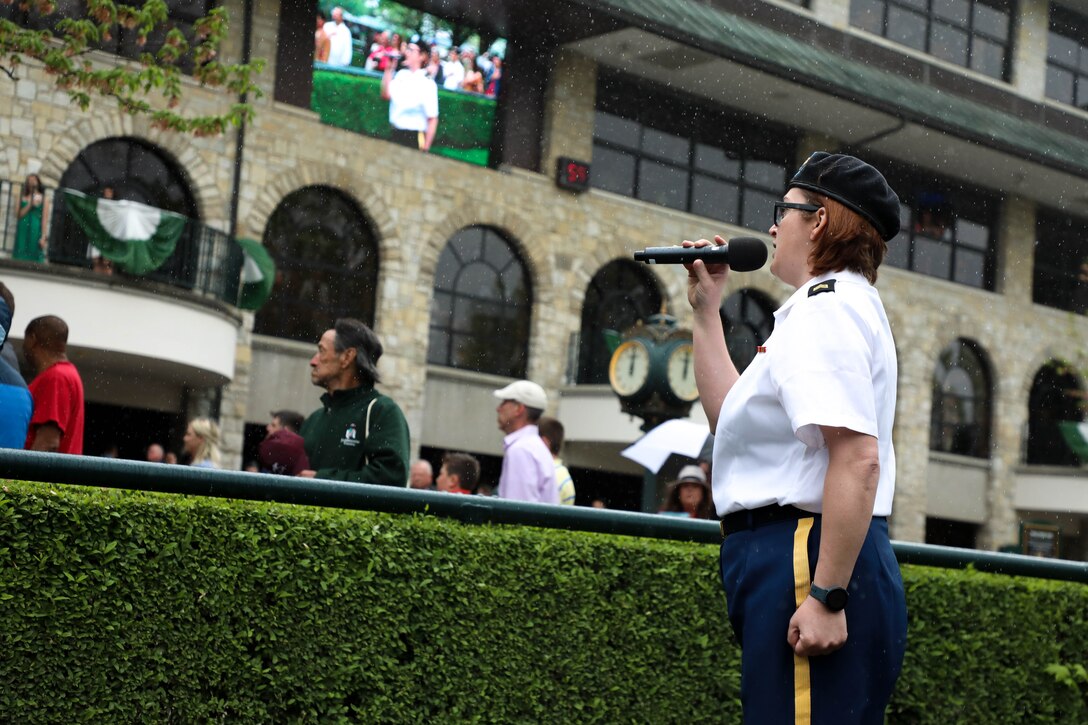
724, 34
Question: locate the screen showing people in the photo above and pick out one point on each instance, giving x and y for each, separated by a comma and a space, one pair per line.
408, 77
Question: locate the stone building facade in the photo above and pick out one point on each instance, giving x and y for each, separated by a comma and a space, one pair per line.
415, 203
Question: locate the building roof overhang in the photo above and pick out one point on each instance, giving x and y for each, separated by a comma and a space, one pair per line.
706, 51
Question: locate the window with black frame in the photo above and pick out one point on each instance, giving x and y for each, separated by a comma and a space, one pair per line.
619, 295
1060, 268
1067, 57
962, 393
326, 258
946, 230
122, 41
748, 320
1057, 396
480, 313
127, 169
975, 34
680, 154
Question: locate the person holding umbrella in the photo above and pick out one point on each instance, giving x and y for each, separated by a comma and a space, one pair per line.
803, 465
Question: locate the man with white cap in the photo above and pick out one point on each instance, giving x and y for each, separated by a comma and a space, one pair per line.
528, 473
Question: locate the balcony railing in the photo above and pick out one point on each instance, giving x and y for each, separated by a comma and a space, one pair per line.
205, 261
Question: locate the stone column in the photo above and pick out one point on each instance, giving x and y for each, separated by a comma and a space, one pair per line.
233, 398
1016, 250
911, 437
1029, 40
1015, 253
569, 107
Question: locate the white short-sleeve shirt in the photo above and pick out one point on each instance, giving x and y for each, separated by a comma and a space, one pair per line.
413, 98
829, 362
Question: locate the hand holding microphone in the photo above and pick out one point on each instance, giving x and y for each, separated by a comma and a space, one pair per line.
743, 254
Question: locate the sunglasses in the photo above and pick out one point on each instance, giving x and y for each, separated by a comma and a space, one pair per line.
781, 207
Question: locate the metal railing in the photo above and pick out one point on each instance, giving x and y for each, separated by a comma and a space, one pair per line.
137, 475
205, 261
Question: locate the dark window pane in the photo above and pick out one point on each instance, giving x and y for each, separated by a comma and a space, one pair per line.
948, 43
665, 146
1056, 396
615, 129
662, 184
961, 419
326, 261
1062, 49
932, 257
972, 234
1060, 272
747, 320
613, 171
868, 15
767, 174
481, 294
1059, 84
758, 211
1082, 92
907, 27
970, 268
898, 251
992, 22
619, 295
955, 11
714, 199
716, 160
988, 57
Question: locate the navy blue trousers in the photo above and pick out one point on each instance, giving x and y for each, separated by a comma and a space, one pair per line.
766, 572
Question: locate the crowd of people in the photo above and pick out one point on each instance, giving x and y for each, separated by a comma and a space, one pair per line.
358, 435
453, 68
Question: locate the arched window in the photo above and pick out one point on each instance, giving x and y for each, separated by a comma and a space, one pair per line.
1056, 396
618, 296
481, 307
326, 265
135, 171
962, 391
748, 320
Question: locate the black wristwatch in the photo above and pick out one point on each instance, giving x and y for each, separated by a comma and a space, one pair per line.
834, 598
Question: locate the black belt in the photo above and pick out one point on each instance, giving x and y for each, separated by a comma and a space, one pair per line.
754, 518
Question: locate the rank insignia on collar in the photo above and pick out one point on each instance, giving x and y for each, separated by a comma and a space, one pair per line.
760, 348
825, 286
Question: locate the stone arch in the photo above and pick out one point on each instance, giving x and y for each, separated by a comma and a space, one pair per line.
312, 174
190, 163
515, 228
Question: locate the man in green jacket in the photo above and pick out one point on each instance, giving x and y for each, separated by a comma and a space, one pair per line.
359, 434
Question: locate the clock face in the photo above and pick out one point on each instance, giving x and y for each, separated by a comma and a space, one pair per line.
680, 372
629, 368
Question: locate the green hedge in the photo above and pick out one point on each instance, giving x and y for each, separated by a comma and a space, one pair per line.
134, 607
353, 102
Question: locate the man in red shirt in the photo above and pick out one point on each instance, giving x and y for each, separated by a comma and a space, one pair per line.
57, 422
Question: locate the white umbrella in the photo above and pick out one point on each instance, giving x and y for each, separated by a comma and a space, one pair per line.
673, 436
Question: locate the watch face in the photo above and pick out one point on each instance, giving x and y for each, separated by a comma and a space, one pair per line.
836, 599
681, 373
630, 367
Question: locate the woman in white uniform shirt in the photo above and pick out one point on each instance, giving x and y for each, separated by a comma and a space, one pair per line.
804, 470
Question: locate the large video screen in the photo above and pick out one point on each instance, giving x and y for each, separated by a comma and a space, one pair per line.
388, 71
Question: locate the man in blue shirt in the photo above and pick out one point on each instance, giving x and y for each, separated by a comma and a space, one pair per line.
16, 405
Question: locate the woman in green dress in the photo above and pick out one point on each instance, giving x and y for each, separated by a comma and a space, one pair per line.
30, 231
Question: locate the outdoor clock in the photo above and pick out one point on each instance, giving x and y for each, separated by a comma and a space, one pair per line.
680, 372
629, 368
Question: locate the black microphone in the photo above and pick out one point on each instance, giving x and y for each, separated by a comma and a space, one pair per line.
743, 254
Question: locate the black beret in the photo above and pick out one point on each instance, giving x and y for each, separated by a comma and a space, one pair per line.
855, 184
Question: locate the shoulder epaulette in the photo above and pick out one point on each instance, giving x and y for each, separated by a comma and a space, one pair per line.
825, 286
